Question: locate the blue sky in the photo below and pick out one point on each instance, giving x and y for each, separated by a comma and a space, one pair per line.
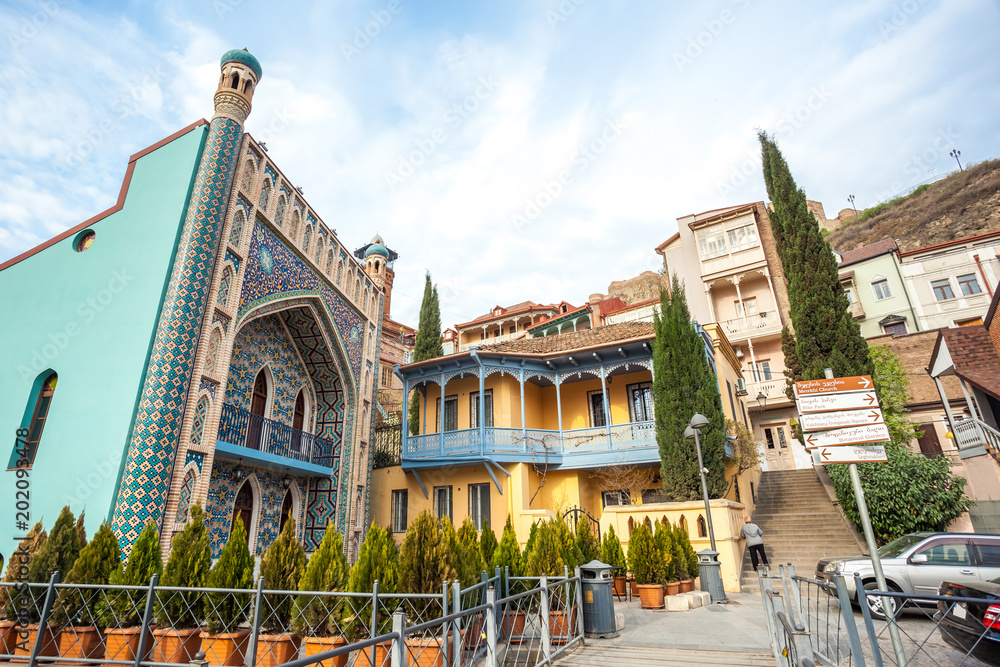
534, 149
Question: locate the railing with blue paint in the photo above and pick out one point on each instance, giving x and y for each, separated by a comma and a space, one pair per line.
242, 428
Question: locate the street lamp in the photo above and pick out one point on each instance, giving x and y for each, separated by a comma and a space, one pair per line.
710, 559
850, 198
955, 153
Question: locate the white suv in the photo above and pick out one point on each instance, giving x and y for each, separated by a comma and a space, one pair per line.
918, 563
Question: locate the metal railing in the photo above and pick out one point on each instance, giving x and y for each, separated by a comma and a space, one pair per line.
241, 427
157, 626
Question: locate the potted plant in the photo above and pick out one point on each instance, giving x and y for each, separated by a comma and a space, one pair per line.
225, 642
547, 557
690, 557
507, 556
613, 555
663, 537
26, 551
318, 619
646, 562
58, 554
281, 568
470, 567
588, 543
562, 610
378, 560
425, 561
120, 613
179, 613
82, 637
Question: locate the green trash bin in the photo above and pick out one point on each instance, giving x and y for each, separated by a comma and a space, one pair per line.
598, 601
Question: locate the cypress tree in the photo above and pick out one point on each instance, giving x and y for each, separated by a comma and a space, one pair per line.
424, 558
487, 543
188, 567
825, 335
81, 531
472, 564
508, 552
587, 543
684, 384
611, 549
281, 567
95, 564
672, 568
427, 345
125, 608
378, 559
59, 552
234, 569
326, 571
546, 555
27, 550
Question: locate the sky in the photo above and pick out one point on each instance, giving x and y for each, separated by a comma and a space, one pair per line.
517, 150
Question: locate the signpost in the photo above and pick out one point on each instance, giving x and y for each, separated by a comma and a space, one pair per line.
838, 416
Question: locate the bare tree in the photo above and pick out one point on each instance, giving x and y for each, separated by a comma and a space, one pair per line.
625, 477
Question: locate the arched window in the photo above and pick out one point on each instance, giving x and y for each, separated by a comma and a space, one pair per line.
184, 502
214, 342
319, 248
286, 510
251, 171
299, 414
684, 523
279, 215
227, 279
237, 232
198, 423
377, 265
306, 238
702, 531
649, 524
243, 508
265, 194
357, 289
329, 262
340, 270
42, 398
246, 86
258, 409
295, 224
631, 526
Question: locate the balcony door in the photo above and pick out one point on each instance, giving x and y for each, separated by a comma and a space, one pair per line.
298, 418
243, 508
258, 410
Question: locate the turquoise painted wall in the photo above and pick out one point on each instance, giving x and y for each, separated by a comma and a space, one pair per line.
89, 316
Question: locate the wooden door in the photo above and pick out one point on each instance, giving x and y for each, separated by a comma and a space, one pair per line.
777, 452
258, 408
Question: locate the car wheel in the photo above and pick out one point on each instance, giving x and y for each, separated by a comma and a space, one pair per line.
875, 602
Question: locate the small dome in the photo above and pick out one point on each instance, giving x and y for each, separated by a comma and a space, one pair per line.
244, 57
377, 249
377, 239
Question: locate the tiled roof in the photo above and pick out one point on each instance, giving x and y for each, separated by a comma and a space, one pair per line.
974, 357
867, 252
914, 352
524, 305
576, 340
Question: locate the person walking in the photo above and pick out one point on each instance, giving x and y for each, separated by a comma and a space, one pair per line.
752, 533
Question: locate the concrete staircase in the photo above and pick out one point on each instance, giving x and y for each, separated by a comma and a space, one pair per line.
800, 523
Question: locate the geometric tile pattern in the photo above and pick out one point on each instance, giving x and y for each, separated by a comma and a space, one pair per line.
264, 341
142, 493
196, 457
274, 272
367, 473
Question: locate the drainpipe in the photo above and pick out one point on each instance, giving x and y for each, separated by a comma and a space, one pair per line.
482, 403
989, 290
906, 291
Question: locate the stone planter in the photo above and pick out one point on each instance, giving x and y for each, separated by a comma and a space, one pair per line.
81, 642
619, 584
123, 643
561, 626
364, 658
50, 641
179, 646
651, 596
687, 585
315, 645
673, 588
274, 650
226, 648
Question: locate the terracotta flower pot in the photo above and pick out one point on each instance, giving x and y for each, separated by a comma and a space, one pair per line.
635, 588
123, 643
273, 650
651, 596
8, 636
50, 642
81, 642
226, 648
687, 585
315, 645
561, 626
474, 635
364, 658
179, 646
619, 584
513, 626
673, 587
425, 652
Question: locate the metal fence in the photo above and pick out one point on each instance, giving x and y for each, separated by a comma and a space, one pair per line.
523, 621
814, 622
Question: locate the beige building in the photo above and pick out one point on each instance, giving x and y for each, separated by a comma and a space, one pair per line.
732, 275
505, 324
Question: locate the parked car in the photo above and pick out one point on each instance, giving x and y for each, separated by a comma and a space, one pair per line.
919, 563
972, 626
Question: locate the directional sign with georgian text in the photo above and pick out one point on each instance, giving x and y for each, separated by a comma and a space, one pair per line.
833, 385
857, 435
854, 400
823, 421
875, 454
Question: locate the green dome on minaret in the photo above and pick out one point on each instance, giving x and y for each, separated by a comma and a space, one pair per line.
377, 249
244, 57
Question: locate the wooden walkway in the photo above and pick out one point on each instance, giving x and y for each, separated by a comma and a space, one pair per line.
609, 656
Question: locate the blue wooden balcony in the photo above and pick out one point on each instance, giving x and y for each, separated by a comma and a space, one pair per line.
246, 437
631, 443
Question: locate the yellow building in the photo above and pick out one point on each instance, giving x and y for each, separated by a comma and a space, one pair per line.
567, 420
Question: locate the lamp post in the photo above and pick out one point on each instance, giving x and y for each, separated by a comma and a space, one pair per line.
709, 566
850, 198
955, 153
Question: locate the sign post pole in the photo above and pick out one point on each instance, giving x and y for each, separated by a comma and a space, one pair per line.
866, 524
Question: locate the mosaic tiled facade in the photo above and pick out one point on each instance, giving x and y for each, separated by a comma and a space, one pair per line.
143, 489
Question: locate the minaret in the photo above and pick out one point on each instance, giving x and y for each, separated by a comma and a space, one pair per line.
378, 261
153, 443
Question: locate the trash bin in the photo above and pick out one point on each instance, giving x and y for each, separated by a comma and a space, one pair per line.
598, 603
710, 571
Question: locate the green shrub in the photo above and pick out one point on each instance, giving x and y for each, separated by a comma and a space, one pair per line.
59, 552
281, 568
681, 534
315, 615
611, 549
587, 543
95, 564
124, 608
487, 543
18, 563
188, 567
508, 553
569, 549
378, 559
644, 559
532, 536
471, 565
234, 569
667, 548
546, 555
424, 561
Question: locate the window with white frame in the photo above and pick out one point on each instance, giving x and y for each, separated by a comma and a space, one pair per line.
743, 238
942, 289
880, 286
969, 285
615, 497
746, 306
479, 504
400, 498
442, 501
712, 243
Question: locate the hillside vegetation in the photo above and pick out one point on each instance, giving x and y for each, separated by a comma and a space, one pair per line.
964, 204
